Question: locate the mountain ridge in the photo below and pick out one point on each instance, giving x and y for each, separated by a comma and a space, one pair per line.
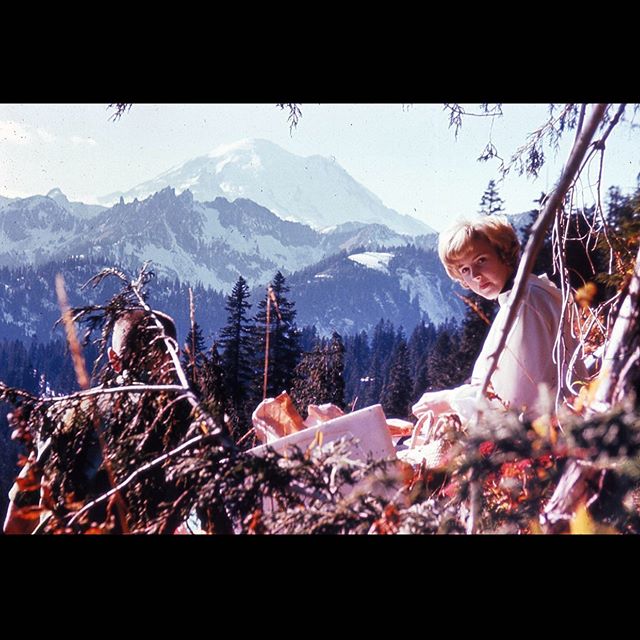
314, 190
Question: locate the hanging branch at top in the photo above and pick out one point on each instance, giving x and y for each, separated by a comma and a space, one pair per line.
294, 113
456, 112
121, 108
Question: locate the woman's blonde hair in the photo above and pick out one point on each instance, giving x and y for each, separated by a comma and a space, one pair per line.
496, 230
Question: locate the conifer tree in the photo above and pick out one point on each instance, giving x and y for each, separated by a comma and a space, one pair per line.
421, 381
356, 365
284, 339
319, 376
381, 350
238, 355
491, 202
336, 370
396, 395
193, 355
420, 343
442, 361
212, 378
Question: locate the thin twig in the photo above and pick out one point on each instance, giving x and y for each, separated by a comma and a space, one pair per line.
137, 388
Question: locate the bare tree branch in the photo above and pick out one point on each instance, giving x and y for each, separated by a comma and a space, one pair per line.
623, 349
120, 109
294, 114
532, 249
539, 229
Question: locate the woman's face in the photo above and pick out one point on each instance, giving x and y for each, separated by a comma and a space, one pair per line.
482, 270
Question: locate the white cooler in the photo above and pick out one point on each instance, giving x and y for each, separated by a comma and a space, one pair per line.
368, 426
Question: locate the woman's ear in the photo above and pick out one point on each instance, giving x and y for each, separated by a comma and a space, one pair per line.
114, 360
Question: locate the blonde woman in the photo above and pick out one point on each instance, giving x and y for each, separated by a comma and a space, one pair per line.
482, 255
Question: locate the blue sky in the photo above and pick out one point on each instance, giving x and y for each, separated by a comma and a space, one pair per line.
405, 154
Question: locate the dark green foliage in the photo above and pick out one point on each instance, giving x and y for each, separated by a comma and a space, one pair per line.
491, 203
443, 360
356, 363
381, 352
236, 339
319, 377
396, 395
193, 355
420, 343
212, 385
205, 373
284, 339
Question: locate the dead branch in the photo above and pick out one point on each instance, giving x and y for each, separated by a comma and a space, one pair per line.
208, 423
136, 388
575, 487
623, 349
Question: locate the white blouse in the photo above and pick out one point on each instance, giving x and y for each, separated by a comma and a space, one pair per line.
526, 379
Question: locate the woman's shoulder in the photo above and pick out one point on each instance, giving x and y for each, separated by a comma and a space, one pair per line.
543, 288
542, 299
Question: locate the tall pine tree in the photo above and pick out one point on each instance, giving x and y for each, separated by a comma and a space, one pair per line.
381, 350
396, 395
238, 355
356, 365
193, 356
284, 339
422, 338
444, 372
212, 380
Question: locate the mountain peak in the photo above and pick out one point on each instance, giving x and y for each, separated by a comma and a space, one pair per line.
246, 144
313, 190
59, 197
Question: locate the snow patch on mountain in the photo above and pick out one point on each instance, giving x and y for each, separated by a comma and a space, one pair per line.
373, 260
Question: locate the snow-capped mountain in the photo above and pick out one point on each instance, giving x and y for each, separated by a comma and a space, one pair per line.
314, 190
208, 242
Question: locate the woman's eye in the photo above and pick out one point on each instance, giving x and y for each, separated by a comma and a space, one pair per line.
464, 271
